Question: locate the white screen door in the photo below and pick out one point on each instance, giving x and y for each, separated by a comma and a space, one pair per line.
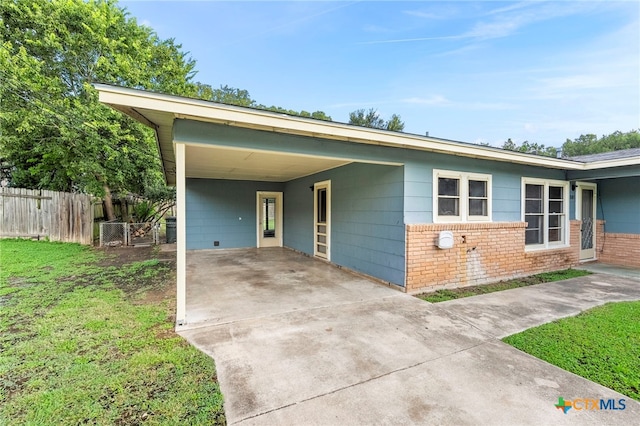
269, 219
586, 209
322, 219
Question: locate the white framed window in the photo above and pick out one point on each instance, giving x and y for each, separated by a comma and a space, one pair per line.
544, 208
461, 197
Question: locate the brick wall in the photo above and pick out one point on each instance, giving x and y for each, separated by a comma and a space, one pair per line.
620, 249
482, 253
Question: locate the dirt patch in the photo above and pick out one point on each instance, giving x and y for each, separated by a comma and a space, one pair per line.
140, 285
119, 256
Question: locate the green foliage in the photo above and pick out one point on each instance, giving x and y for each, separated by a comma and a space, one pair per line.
372, 119
225, 95
591, 144
154, 203
530, 148
54, 131
583, 145
55, 134
143, 211
79, 343
233, 96
601, 344
318, 115
458, 293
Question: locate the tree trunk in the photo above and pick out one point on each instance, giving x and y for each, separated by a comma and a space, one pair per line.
124, 209
108, 204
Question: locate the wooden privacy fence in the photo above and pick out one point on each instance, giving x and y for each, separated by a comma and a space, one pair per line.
58, 216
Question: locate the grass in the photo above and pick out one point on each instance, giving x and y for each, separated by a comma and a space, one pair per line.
269, 224
457, 293
80, 342
601, 344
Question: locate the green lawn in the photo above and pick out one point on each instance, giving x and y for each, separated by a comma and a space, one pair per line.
85, 338
457, 293
601, 344
269, 224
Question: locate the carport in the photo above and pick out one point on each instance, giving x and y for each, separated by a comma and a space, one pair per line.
223, 164
281, 161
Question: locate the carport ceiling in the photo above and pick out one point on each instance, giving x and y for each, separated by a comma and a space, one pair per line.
214, 162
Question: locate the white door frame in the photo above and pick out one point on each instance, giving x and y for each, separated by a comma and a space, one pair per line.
589, 254
326, 184
260, 240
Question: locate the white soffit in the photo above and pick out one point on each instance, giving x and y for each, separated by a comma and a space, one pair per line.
215, 162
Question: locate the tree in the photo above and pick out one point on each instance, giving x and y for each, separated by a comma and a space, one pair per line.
395, 123
54, 132
372, 119
530, 148
318, 115
233, 96
591, 144
225, 95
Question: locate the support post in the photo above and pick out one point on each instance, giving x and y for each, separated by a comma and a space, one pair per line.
181, 227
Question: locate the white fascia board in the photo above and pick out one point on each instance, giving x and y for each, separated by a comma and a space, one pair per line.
200, 110
621, 162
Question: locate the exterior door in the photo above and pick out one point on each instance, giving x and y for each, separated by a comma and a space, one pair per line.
269, 219
586, 212
322, 219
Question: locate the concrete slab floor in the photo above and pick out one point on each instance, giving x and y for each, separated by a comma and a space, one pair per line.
298, 341
230, 285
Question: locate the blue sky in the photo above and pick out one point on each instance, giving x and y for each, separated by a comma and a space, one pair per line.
541, 71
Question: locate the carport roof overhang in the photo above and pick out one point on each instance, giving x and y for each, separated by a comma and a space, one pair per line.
159, 111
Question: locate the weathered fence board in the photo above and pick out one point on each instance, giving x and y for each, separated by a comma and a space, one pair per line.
58, 216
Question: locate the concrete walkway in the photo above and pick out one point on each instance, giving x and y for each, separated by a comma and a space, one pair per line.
604, 268
297, 341
508, 312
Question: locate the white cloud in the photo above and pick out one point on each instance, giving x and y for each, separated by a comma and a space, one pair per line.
603, 68
504, 21
515, 6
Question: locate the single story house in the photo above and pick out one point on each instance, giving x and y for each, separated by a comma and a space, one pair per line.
415, 212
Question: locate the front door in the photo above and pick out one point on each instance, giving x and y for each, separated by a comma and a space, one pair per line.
322, 219
586, 212
269, 219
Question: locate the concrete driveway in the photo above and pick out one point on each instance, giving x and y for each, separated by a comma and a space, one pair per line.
297, 341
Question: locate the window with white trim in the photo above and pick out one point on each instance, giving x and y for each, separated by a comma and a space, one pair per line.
461, 197
545, 211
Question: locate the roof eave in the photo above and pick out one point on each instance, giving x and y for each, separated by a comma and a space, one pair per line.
200, 110
605, 164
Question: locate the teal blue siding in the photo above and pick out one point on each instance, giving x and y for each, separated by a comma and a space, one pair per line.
506, 184
418, 177
214, 209
609, 173
619, 205
367, 229
217, 134
298, 215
